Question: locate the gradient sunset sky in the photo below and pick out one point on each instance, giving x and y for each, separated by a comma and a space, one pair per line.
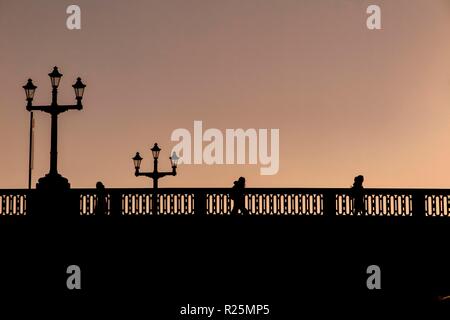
347, 100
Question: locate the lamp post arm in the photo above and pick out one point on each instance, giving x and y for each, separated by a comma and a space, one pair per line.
38, 108
64, 108
57, 108
172, 173
144, 174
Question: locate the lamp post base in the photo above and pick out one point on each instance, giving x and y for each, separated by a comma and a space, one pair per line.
53, 182
53, 199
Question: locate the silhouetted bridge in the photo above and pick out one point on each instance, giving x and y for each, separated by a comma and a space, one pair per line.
259, 201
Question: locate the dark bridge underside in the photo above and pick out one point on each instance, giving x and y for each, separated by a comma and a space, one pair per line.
297, 264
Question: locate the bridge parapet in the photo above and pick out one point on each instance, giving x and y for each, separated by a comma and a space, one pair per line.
258, 201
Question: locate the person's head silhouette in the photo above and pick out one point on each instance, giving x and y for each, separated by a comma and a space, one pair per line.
240, 182
358, 181
100, 186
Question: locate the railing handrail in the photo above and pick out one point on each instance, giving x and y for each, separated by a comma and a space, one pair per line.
281, 189
252, 189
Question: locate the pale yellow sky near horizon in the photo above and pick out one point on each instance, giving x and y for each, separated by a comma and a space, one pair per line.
347, 100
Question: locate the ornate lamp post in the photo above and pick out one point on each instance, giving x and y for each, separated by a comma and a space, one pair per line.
53, 180
155, 175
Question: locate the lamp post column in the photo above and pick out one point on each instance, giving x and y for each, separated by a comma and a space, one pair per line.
155, 206
54, 134
54, 145
155, 176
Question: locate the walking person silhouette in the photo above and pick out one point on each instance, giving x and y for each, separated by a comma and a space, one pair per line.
238, 196
357, 192
101, 205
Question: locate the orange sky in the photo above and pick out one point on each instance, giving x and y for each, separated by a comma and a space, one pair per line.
347, 100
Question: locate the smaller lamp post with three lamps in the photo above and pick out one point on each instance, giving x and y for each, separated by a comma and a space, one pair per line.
155, 175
